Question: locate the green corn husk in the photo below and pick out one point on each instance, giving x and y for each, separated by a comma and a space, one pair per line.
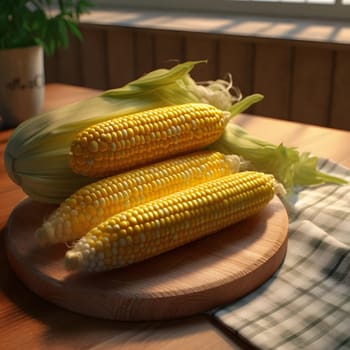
36, 156
290, 167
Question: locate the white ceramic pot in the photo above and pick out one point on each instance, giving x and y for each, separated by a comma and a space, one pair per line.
22, 84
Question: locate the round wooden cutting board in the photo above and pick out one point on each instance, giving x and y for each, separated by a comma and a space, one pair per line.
194, 278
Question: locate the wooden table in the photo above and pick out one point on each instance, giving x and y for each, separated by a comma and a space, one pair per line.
30, 322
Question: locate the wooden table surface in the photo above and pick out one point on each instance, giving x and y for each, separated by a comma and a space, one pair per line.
30, 322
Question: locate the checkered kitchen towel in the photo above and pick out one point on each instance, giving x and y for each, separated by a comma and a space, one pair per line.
306, 304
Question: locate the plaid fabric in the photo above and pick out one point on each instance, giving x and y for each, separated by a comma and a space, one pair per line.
306, 304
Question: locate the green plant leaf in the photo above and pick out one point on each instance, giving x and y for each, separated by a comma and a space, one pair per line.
62, 30
29, 22
74, 30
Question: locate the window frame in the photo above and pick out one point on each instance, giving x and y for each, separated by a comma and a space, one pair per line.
284, 8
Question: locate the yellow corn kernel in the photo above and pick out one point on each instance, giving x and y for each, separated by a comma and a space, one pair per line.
177, 219
95, 202
133, 140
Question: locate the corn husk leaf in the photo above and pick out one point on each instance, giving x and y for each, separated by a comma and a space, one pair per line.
36, 156
290, 167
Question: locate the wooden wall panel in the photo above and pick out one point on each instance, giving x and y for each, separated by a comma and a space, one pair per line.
69, 63
51, 75
144, 52
340, 112
312, 85
202, 47
237, 58
93, 63
120, 57
169, 49
301, 81
272, 78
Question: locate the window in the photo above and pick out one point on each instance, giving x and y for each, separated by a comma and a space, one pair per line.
325, 9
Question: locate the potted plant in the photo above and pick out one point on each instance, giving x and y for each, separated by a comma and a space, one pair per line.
28, 29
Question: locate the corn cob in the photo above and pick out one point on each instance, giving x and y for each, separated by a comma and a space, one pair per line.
137, 139
171, 221
95, 202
